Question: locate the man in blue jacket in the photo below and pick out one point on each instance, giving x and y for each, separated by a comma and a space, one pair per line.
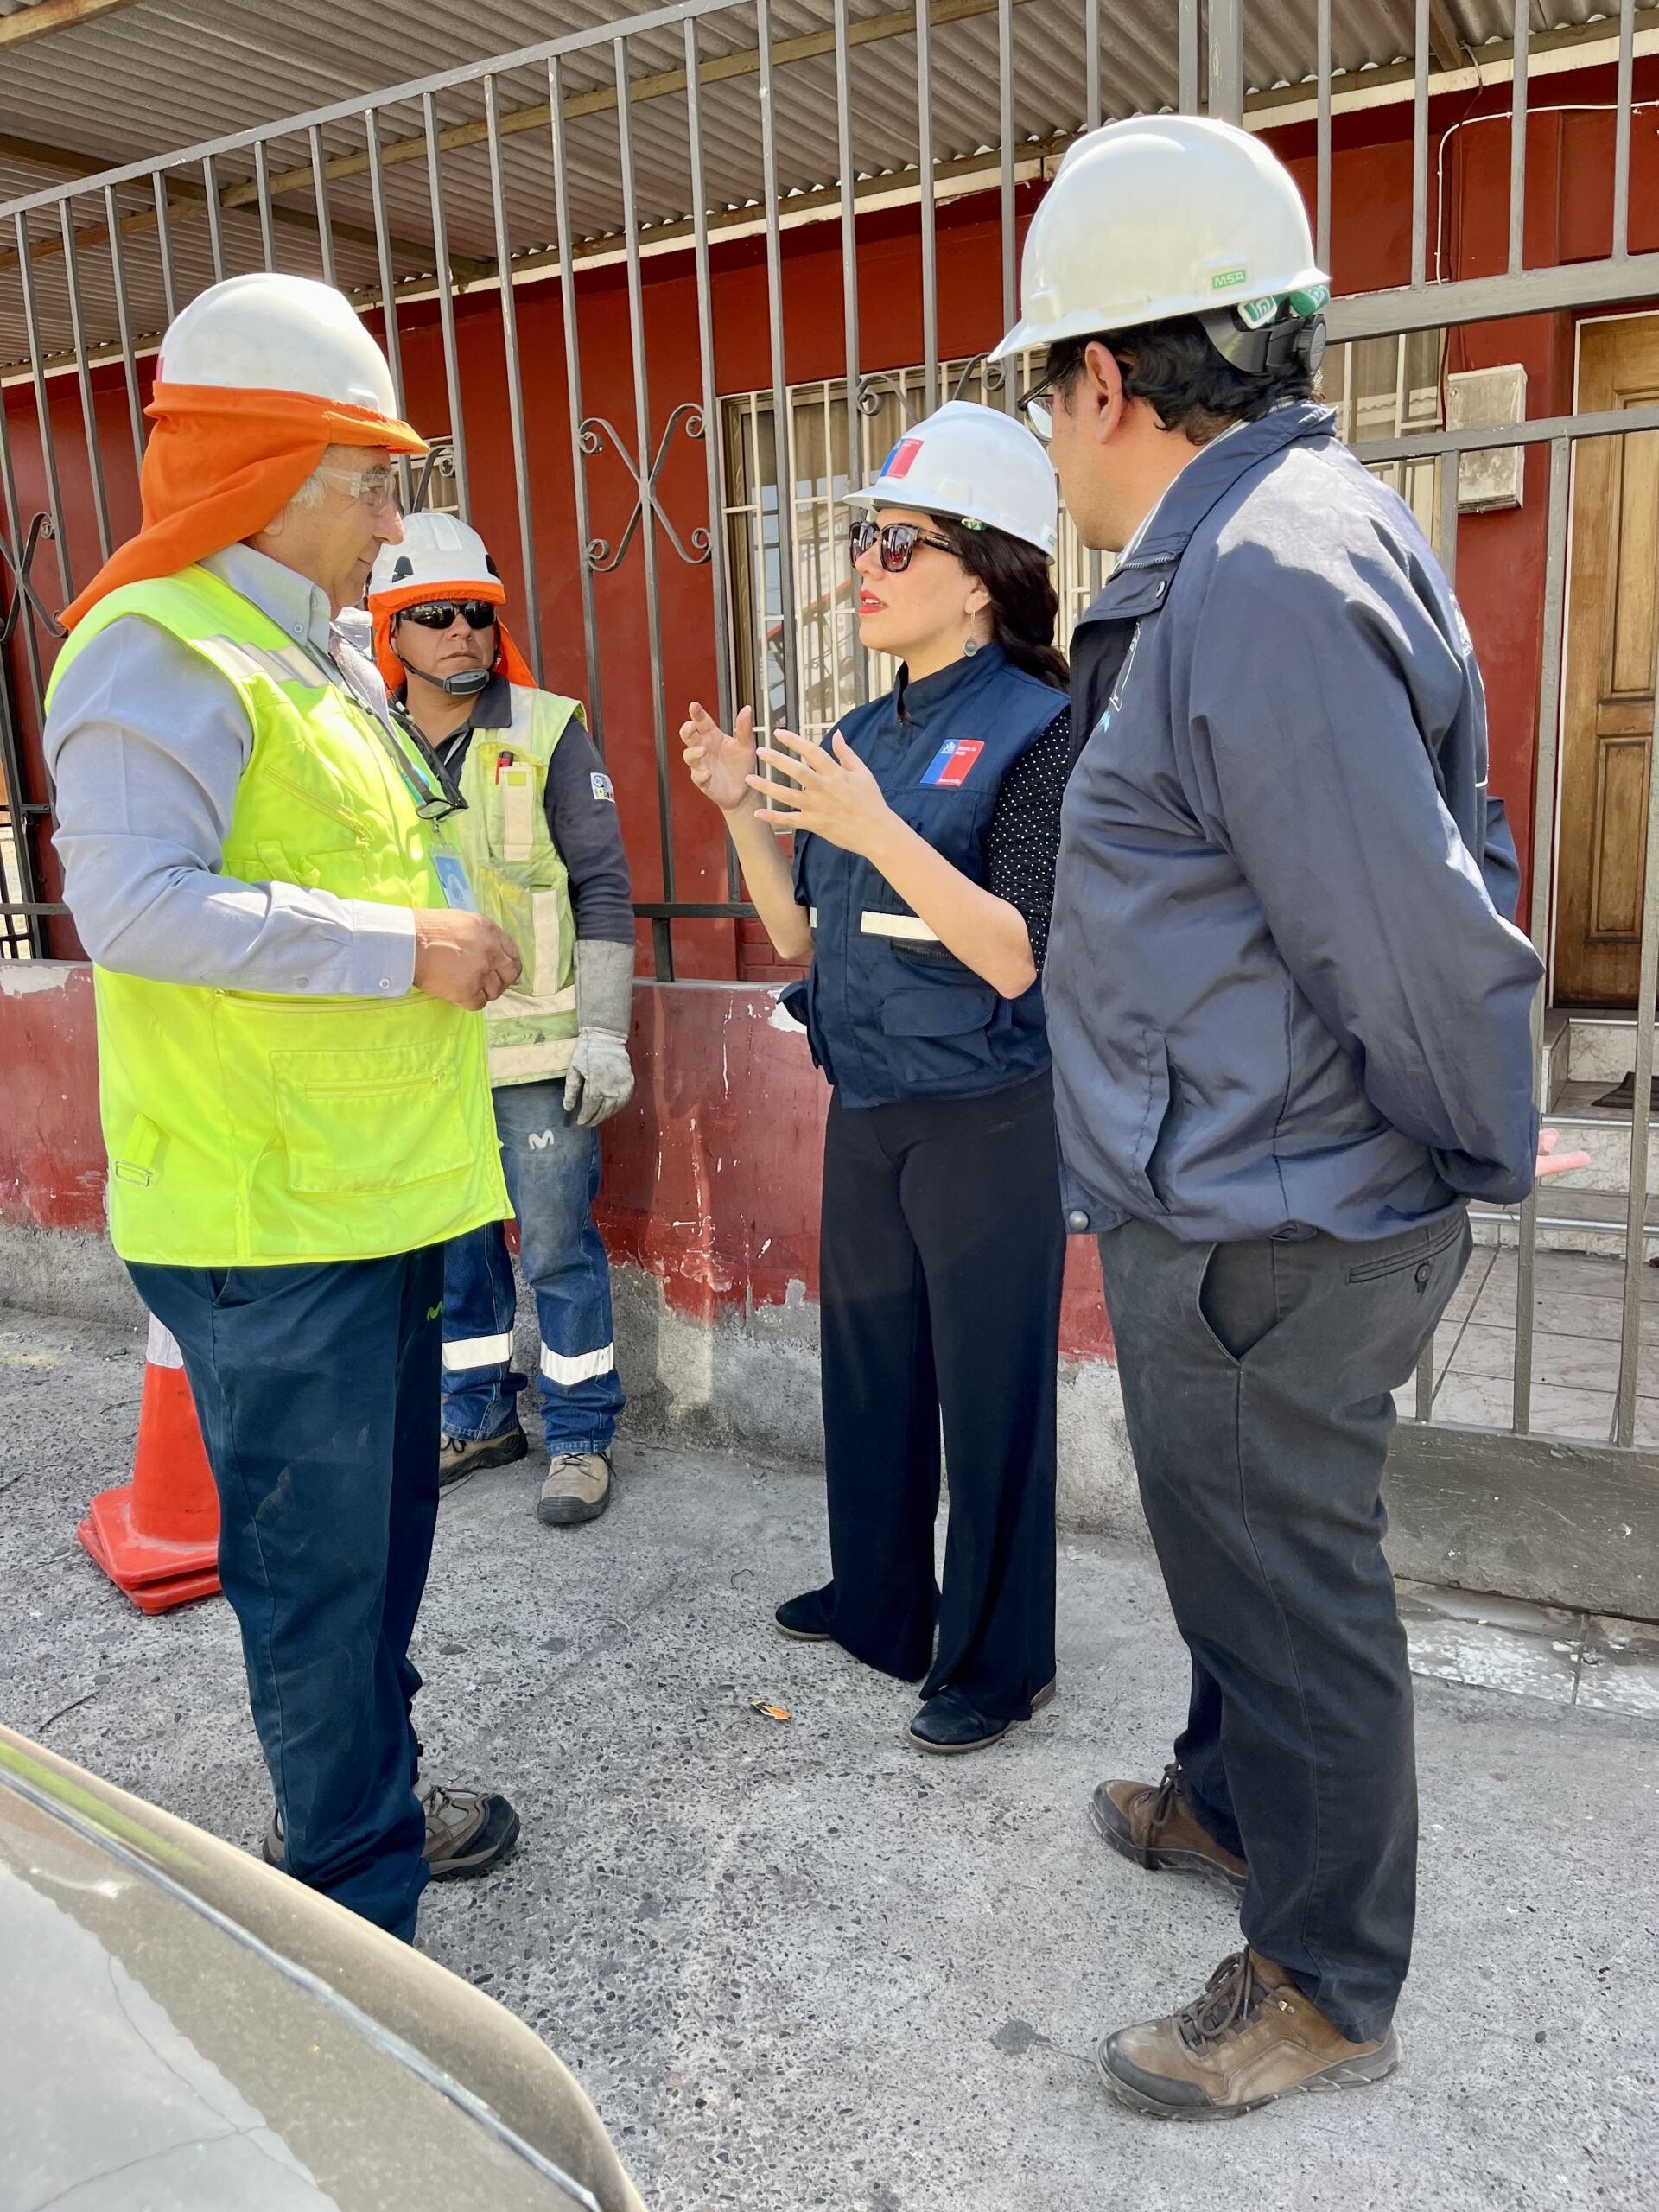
1291, 1038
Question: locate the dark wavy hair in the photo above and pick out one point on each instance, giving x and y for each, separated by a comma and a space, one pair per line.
1024, 603
1191, 386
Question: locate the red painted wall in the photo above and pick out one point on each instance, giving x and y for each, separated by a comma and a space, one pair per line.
1500, 576
712, 1173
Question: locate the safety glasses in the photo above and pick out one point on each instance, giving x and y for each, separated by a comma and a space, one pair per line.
1039, 415
898, 541
376, 486
439, 613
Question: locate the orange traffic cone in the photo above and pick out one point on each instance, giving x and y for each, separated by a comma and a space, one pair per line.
157, 1536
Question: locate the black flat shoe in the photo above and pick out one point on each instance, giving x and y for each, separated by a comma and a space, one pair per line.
948, 1725
802, 1618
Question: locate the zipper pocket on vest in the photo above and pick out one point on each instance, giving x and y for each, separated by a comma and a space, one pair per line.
347, 820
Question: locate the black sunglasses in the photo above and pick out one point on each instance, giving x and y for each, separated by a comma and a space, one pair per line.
439, 613
898, 541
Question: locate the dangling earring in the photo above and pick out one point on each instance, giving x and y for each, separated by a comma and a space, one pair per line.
971, 647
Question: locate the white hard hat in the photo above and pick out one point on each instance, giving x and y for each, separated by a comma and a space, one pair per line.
974, 463
1163, 215
439, 553
267, 332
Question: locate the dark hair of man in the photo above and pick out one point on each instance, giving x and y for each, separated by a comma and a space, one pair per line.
1191, 388
1024, 603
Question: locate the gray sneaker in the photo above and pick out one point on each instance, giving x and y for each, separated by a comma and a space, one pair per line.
461, 1456
468, 1832
577, 1488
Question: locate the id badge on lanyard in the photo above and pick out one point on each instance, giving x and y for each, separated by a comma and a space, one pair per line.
452, 875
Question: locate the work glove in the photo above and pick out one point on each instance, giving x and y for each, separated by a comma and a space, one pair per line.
600, 1080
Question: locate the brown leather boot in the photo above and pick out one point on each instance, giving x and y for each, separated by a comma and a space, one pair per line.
1251, 2038
1150, 1823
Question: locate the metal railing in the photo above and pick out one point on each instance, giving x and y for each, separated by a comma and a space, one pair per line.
603, 180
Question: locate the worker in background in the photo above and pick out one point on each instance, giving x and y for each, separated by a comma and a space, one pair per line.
543, 852
1292, 1041
925, 831
292, 1075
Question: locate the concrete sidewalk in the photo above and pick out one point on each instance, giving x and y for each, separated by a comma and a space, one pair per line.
796, 1965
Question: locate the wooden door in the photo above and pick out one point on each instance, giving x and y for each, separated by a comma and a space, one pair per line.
1607, 735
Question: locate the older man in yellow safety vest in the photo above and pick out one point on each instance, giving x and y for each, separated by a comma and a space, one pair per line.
293, 1079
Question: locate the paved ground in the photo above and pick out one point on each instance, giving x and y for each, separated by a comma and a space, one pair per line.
798, 1966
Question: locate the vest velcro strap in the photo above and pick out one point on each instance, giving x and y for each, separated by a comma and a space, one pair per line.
911, 927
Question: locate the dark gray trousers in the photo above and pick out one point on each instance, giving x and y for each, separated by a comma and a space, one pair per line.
1258, 1383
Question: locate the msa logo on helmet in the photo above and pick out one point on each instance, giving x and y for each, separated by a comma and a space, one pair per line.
1229, 280
902, 459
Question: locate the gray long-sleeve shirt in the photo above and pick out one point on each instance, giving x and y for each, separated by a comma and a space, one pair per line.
146, 745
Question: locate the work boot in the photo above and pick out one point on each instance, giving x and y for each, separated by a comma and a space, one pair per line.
461, 1456
1251, 2038
1151, 1823
468, 1832
948, 1724
577, 1487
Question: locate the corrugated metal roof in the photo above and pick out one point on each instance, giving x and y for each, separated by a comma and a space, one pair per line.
171, 73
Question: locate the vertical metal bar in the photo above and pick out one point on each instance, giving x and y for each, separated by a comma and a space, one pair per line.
1322, 139
782, 428
1636, 1217
1422, 55
1518, 138
262, 182
1543, 854
644, 446
215, 217
123, 323
43, 409
84, 377
1187, 58
31, 644
446, 307
930, 239
706, 363
515, 376
320, 194
1622, 130
573, 387
383, 251
164, 240
1227, 60
1091, 64
1005, 141
1447, 553
849, 298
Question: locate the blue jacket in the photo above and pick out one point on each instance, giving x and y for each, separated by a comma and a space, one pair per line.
1278, 995
890, 1013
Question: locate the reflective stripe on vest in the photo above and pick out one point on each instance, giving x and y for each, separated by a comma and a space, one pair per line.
254, 1128
519, 878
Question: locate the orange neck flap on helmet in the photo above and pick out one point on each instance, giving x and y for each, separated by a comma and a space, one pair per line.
384, 605
220, 466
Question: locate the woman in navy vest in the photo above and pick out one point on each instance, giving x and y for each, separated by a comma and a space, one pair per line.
925, 833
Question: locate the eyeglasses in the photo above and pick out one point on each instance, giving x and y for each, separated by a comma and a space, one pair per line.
898, 541
1039, 415
439, 613
375, 487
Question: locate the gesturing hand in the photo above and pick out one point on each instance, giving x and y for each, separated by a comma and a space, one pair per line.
463, 957
721, 762
838, 798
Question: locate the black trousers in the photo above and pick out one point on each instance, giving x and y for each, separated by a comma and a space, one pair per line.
1258, 1381
941, 1261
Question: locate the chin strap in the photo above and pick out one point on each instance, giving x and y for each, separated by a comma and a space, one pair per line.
466, 685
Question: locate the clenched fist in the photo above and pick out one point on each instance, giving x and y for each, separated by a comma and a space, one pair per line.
462, 958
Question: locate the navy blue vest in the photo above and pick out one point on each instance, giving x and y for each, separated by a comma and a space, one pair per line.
890, 1014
